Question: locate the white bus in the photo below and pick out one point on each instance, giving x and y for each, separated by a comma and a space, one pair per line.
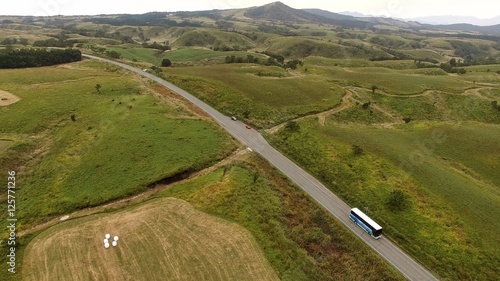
366, 223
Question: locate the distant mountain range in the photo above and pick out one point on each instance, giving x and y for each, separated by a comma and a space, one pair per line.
439, 20
278, 11
457, 19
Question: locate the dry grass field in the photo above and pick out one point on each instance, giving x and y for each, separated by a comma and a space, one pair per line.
164, 239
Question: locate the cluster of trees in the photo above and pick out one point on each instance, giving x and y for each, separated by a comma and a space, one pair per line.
60, 40
425, 62
235, 59
468, 50
12, 41
266, 28
349, 35
37, 57
96, 48
147, 19
393, 55
274, 59
52, 42
113, 54
156, 46
452, 67
224, 48
387, 42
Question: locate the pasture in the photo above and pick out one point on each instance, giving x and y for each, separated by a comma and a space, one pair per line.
83, 146
193, 55
162, 239
448, 221
279, 96
4, 145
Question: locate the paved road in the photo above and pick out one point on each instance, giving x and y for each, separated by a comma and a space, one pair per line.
338, 208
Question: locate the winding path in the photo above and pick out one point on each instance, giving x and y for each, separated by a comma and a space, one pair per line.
338, 208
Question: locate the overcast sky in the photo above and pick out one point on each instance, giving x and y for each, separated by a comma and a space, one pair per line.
392, 8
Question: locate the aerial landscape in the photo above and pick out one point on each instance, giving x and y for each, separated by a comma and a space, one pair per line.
240, 140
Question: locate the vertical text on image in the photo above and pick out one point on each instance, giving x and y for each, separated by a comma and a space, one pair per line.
11, 221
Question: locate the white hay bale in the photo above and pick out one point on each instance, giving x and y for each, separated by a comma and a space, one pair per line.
106, 241
107, 236
106, 245
115, 238
114, 243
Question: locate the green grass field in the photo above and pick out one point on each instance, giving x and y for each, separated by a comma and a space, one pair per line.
88, 147
195, 55
161, 239
299, 239
393, 81
5, 145
189, 56
449, 223
140, 54
279, 96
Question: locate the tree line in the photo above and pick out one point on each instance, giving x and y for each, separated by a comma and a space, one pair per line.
20, 58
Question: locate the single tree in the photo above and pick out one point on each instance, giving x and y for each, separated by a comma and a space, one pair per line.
292, 126
366, 105
374, 87
397, 201
495, 105
166, 63
357, 150
98, 87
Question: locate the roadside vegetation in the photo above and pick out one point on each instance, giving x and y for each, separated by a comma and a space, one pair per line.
299, 239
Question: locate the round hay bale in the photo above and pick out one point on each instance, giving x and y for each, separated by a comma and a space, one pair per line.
106, 241
106, 245
107, 236
114, 243
115, 238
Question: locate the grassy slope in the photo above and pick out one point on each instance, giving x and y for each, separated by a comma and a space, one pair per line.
121, 141
451, 223
393, 81
163, 238
196, 55
231, 89
140, 54
299, 239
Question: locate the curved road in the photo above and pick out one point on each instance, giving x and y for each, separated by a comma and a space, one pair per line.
338, 208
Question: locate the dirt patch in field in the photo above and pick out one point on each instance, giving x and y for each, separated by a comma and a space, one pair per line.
164, 239
7, 98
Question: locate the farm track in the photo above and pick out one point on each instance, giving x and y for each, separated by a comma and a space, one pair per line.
348, 99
